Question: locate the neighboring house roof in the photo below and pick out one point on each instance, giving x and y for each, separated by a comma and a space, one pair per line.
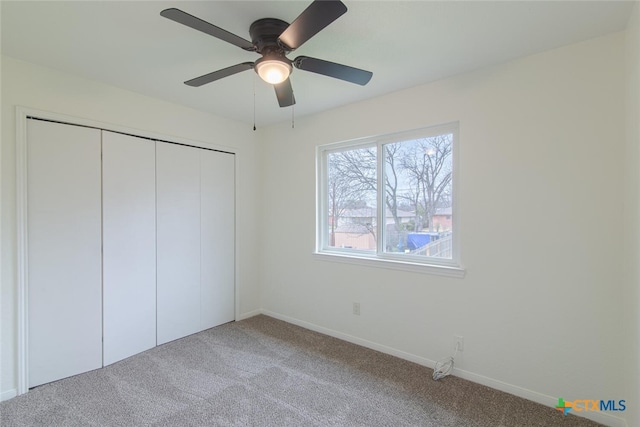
444, 211
402, 214
371, 213
352, 228
359, 213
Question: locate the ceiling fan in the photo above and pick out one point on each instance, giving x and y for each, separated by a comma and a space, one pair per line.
274, 39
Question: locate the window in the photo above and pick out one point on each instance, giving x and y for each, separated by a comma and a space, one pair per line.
390, 198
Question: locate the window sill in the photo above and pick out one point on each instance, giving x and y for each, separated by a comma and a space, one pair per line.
393, 264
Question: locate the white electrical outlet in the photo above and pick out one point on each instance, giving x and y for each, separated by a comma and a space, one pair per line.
458, 342
356, 308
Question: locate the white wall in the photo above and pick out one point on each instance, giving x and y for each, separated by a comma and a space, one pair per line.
32, 86
632, 211
541, 176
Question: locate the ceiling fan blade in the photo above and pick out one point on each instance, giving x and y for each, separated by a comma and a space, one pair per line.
314, 18
198, 24
331, 69
217, 75
284, 92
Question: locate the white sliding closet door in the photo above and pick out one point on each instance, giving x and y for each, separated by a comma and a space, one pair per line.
64, 255
178, 240
129, 239
217, 221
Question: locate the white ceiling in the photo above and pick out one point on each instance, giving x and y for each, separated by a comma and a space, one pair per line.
404, 43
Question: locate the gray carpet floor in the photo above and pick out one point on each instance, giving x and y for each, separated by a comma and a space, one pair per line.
265, 372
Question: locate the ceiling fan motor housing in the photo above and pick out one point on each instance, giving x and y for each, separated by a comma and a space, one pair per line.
264, 36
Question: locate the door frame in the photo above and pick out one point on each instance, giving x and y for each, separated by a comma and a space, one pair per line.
22, 254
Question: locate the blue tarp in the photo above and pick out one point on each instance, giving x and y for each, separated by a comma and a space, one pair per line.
418, 240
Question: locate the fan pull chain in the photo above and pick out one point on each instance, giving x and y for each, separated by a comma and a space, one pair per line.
254, 103
293, 116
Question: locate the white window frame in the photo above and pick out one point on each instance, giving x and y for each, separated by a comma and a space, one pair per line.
379, 258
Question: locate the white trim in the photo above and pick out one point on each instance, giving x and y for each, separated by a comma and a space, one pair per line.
456, 211
236, 255
534, 396
353, 339
22, 249
321, 203
22, 113
249, 314
392, 264
543, 399
381, 195
8, 394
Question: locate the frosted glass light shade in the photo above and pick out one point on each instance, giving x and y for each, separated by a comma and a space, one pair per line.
273, 71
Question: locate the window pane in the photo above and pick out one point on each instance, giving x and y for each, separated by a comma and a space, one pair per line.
351, 199
418, 197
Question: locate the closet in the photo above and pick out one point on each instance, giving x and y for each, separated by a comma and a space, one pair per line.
131, 244
195, 240
64, 251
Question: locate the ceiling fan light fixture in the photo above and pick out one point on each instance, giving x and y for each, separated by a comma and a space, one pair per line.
273, 70
274, 39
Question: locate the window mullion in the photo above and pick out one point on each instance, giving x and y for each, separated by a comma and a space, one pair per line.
322, 214
381, 210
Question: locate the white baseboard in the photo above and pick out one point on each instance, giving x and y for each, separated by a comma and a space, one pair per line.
543, 399
353, 339
249, 314
8, 394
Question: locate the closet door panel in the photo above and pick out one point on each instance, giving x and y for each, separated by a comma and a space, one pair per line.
64, 251
178, 241
217, 225
129, 239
